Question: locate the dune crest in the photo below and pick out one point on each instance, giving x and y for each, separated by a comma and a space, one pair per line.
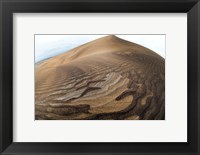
108, 78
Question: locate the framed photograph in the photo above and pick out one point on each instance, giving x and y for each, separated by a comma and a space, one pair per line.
99, 77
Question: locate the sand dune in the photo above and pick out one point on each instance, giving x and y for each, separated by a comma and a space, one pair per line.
108, 78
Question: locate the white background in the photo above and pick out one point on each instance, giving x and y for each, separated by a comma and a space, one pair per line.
172, 129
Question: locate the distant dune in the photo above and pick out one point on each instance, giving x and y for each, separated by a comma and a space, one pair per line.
108, 78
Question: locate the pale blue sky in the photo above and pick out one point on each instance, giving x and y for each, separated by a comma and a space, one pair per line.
47, 46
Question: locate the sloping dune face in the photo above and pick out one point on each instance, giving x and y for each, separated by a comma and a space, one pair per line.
106, 79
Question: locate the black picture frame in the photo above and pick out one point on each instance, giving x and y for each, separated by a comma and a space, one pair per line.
8, 7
